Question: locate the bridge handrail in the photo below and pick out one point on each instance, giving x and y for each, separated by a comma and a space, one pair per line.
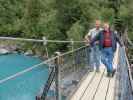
43, 93
129, 70
39, 40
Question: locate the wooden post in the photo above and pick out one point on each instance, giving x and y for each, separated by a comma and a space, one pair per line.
45, 44
57, 78
72, 44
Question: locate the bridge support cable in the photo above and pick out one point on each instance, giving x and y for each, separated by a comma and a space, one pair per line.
38, 40
67, 77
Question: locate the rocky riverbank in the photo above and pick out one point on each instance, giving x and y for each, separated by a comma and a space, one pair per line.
8, 48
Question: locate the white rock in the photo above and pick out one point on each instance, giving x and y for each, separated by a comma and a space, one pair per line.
28, 53
4, 51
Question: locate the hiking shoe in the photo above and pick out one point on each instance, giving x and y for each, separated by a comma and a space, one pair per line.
91, 70
113, 72
97, 70
109, 74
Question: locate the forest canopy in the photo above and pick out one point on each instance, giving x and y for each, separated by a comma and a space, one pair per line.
62, 19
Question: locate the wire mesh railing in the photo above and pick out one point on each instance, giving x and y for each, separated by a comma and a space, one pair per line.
69, 69
124, 83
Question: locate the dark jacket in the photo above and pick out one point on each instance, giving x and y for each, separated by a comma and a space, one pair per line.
100, 38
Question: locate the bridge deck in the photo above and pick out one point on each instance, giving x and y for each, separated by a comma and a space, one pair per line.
97, 86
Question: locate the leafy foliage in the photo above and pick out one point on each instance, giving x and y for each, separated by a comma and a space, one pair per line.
61, 19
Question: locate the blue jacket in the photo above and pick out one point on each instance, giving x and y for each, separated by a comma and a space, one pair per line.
100, 38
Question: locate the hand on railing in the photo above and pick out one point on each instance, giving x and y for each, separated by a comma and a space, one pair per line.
87, 42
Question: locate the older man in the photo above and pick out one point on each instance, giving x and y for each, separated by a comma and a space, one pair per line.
94, 59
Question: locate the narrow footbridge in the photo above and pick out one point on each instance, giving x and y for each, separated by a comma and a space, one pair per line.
70, 77
74, 80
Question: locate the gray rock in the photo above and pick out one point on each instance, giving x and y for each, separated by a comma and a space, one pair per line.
29, 53
4, 51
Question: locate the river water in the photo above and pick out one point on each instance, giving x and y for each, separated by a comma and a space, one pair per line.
26, 86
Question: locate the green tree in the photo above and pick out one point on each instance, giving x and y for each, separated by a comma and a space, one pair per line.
10, 17
76, 33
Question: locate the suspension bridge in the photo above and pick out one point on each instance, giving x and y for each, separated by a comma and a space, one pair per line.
70, 77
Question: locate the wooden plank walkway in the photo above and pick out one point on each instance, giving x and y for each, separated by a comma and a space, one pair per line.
97, 86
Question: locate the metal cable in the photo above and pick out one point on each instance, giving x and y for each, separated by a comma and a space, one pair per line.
36, 66
20, 73
39, 40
